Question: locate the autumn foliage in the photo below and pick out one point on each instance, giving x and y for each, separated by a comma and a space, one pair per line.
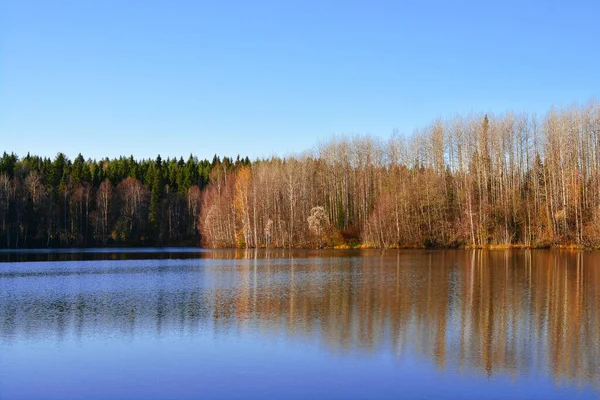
506, 180
474, 181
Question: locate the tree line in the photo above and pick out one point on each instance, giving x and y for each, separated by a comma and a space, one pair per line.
61, 203
476, 180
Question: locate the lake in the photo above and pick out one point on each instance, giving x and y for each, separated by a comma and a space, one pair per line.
333, 324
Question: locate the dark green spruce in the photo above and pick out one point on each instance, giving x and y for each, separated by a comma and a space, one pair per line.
117, 202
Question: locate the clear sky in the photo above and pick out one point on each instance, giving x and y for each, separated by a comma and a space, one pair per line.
110, 78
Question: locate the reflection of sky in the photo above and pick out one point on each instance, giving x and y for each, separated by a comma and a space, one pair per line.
307, 328
240, 366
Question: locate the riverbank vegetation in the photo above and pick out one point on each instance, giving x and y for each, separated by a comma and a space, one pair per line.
471, 181
478, 181
62, 203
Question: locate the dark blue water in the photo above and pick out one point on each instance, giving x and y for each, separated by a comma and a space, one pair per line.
315, 324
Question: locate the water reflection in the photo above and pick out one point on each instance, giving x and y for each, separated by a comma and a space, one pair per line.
488, 313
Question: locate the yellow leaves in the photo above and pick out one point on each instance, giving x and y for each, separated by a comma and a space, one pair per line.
560, 215
242, 185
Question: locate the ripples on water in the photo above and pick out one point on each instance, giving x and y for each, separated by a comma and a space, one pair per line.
347, 324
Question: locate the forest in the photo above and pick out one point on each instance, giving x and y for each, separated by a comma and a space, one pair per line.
122, 202
513, 179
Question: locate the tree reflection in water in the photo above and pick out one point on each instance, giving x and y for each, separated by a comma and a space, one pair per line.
487, 312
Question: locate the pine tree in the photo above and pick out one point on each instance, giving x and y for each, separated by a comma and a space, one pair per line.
156, 198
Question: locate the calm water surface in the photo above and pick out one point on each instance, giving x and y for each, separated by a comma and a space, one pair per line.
175, 323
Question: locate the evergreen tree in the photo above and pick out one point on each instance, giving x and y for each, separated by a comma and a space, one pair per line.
156, 198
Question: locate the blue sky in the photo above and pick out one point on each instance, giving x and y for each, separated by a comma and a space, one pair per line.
109, 78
